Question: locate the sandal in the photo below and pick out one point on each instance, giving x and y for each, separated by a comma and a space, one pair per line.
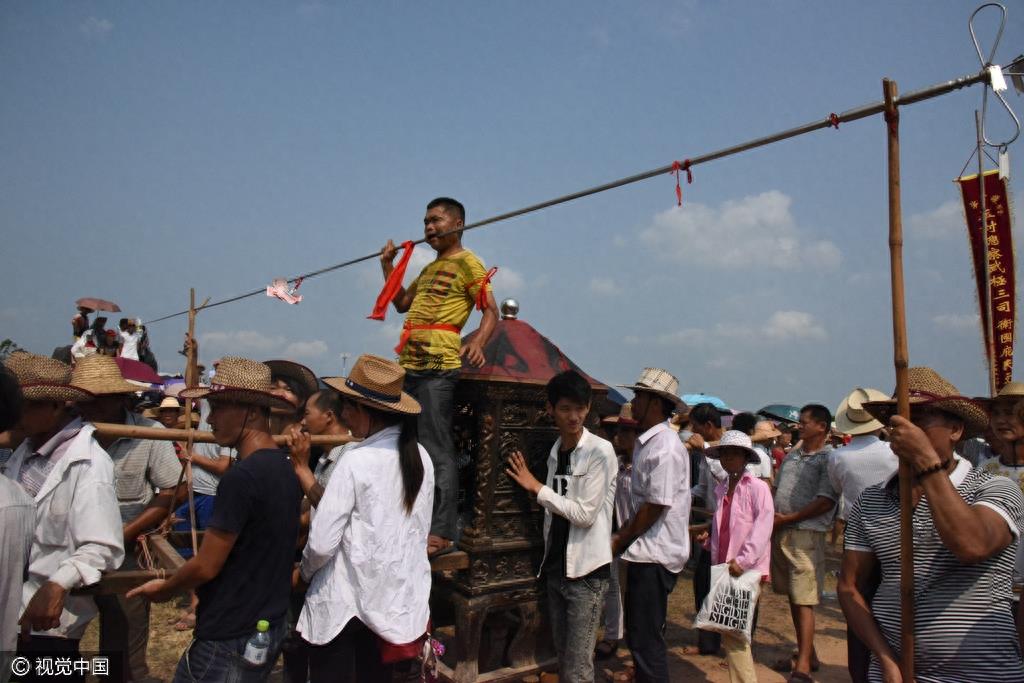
606, 649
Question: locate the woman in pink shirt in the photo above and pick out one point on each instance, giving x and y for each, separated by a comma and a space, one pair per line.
741, 532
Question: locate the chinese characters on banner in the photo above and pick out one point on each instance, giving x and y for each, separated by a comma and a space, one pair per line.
992, 248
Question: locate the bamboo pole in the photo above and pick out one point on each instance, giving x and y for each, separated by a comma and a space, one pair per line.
123, 431
191, 373
988, 334
901, 362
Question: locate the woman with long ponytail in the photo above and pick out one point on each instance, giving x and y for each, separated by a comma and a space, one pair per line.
366, 557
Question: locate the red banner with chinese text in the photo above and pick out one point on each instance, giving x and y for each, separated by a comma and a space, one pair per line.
992, 248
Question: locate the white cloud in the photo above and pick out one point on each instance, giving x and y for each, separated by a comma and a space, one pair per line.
757, 230
508, 281
689, 336
794, 325
96, 28
957, 322
631, 339
945, 221
305, 349
603, 285
250, 343
781, 326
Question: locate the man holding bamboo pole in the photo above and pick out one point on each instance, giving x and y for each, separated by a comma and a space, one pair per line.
140, 467
966, 526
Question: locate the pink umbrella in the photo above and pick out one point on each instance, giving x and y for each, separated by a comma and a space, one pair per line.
137, 371
98, 304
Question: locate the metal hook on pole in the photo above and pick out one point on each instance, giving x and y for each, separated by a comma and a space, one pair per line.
996, 82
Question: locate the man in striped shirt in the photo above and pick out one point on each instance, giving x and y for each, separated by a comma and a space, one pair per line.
966, 527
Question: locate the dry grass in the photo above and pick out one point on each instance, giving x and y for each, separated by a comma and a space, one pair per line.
774, 639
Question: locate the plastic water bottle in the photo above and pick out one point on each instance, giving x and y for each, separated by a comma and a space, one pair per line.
259, 645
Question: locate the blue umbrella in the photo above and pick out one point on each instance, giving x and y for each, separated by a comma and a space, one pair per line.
694, 399
781, 411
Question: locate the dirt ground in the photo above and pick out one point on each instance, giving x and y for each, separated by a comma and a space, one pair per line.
773, 640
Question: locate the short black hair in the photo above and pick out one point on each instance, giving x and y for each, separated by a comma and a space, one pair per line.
818, 413
705, 412
745, 422
10, 400
569, 385
450, 205
327, 401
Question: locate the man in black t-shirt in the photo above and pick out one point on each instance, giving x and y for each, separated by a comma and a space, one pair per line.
577, 502
243, 569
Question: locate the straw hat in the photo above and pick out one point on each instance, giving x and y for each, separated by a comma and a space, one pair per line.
765, 430
100, 375
852, 418
240, 380
927, 387
735, 439
377, 383
624, 418
1013, 391
300, 373
44, 379
169, 403
660, 382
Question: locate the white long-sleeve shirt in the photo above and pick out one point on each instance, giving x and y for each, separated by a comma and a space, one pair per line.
365, 557
78, 533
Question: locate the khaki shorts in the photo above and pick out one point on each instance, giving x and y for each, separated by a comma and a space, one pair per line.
798, 565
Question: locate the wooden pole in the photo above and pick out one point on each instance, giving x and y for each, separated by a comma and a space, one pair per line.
988, 334
191, 380
123, 431
901, 362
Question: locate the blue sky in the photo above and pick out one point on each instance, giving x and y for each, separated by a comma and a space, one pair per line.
151, 147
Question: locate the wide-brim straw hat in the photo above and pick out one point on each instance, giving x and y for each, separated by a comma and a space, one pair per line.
735, 439
1011, 391
300, 373
100, 375
240, 380
927, 387
44, 379
660, 382
852, 418
765, 430
624, 418
376, 382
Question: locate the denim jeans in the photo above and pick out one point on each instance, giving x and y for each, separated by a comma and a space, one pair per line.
220, 661
435, 390
647, 589
575, 609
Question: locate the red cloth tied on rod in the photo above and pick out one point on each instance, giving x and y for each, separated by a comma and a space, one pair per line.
484, 282
392, 284
992, 248
676, 168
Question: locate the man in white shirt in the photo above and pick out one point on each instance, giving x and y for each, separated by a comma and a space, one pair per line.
77, 524
577, 499
130, 333
655, 542
17, 522
864, 462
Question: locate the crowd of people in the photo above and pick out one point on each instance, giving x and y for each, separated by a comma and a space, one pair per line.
322, 555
